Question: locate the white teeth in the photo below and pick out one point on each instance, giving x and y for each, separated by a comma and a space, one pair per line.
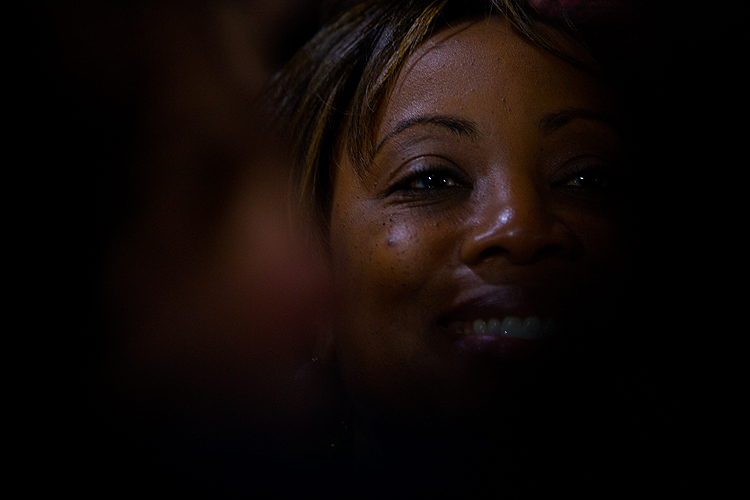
494, 326
532, 327
480, 327
512, 326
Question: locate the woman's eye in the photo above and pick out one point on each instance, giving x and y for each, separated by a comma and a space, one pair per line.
426, 181
431, 181
593, 181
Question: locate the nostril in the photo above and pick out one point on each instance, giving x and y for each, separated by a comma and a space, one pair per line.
491, 252
518, 255
547, 252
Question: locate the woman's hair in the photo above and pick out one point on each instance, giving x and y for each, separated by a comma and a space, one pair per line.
342, 77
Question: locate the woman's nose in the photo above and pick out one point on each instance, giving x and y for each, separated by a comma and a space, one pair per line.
519, 226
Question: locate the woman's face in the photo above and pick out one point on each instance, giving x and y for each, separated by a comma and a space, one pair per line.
490, 216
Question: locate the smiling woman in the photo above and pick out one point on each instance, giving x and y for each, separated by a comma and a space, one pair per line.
471, 176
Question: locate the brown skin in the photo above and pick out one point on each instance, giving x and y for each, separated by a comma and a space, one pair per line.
506, 227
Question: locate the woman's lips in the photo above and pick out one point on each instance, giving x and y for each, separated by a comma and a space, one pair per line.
530, 327
505, 319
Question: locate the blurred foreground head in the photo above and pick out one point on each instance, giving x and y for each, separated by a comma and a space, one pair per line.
203, 298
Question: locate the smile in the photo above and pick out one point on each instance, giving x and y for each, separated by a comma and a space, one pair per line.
511, 312
530, 328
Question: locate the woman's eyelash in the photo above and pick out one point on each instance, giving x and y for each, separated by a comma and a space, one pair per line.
595, 177
430, 179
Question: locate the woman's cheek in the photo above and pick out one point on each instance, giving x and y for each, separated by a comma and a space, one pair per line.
605, 239
400, 257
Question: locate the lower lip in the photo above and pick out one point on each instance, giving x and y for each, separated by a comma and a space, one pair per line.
501, 347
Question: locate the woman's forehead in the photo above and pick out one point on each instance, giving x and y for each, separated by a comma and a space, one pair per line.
471, 66
464, 42
456, 46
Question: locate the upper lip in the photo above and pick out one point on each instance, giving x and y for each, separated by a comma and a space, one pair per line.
500, 302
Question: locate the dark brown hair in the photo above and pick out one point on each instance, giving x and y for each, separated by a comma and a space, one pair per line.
345, 73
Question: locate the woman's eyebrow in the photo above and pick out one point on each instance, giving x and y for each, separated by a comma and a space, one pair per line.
456, 125
554, 121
